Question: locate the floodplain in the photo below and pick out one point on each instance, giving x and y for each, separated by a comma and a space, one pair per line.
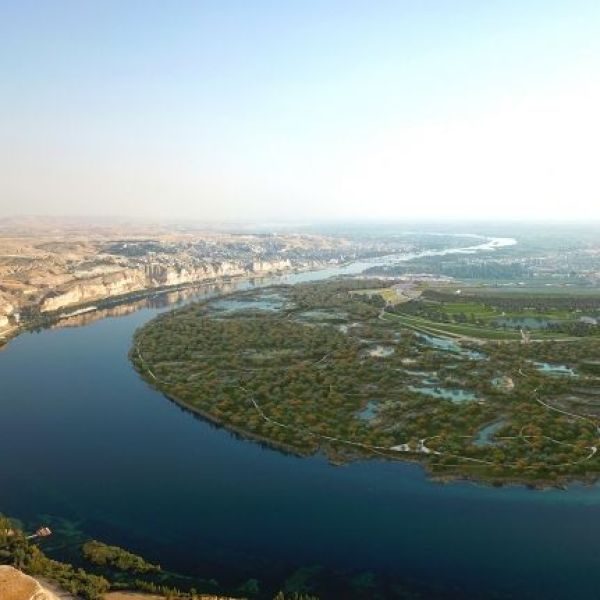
338, 368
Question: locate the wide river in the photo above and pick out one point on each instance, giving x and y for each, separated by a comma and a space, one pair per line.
89, 447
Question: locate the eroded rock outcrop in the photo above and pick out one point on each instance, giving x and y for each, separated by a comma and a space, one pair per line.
6, 309
162, 275
152, 276
95, 288
63, 265
15, 585
270, 266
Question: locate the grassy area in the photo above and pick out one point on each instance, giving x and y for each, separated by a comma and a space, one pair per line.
486, 312
539, 289
503, 316
455, 330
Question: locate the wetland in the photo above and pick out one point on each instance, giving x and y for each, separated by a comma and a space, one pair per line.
323, 372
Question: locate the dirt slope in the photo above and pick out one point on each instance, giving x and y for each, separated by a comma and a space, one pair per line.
15, 585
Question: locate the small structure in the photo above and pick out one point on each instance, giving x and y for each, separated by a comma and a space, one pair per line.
40, 533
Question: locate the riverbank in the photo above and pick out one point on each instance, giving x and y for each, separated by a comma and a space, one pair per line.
87, 309
37, 320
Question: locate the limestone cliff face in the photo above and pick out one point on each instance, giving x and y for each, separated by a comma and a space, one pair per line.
271, 266
6, 309
95, 288
15, 585
152, 276
161, 275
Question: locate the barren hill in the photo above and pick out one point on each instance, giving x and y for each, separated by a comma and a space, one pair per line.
15, 585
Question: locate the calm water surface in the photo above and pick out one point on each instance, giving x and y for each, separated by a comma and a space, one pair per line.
84, 439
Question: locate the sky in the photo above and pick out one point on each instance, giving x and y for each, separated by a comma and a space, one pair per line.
300, 110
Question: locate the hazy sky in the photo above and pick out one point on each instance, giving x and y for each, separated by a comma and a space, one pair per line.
300, 109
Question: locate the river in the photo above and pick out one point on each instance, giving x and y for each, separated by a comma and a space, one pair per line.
89, 447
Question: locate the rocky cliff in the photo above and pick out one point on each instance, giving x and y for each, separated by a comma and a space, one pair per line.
152, 276
15, 585
6, 309
270, 266
94, 288
162, 275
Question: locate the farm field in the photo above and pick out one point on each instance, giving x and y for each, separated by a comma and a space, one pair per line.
504, 316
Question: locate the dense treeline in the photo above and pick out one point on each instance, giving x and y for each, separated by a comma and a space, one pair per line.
113, 556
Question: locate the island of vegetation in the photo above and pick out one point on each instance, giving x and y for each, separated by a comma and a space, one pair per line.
496, 388
101, 554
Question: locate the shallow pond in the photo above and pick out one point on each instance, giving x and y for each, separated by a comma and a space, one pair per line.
271, 302
369, 412
555, 369
456, 395
485, 435
439, 343
451, 346
524, 322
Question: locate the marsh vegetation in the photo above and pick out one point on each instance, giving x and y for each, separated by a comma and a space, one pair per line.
310, 376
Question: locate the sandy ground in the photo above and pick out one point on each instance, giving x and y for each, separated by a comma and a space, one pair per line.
58, 593
15, 585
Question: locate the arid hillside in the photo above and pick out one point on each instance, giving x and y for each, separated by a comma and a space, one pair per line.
50, 266
15, 585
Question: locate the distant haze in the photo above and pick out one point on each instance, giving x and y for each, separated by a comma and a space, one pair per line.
300, 110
